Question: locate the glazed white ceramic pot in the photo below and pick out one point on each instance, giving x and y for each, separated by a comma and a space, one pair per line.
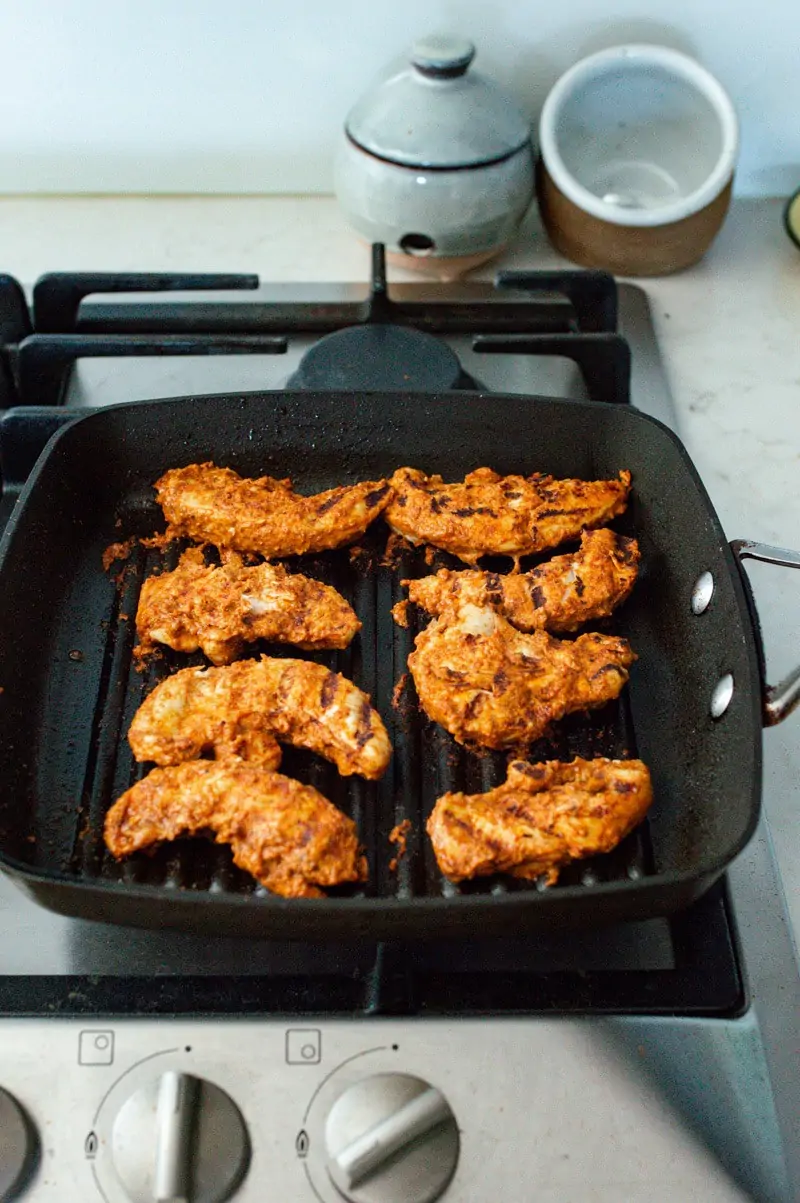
436, 161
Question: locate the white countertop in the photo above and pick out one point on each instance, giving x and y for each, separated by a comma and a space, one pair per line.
729, 331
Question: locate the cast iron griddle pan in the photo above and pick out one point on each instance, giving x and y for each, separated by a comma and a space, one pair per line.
70, 690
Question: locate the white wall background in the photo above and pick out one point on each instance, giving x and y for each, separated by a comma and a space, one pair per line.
249, 95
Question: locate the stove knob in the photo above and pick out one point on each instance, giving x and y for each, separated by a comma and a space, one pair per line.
17, 1145
391, 1138
180, 1140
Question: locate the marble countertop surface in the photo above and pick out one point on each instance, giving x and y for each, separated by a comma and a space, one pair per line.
729, 331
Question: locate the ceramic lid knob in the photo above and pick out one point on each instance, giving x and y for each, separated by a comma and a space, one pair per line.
443, 55
431, 112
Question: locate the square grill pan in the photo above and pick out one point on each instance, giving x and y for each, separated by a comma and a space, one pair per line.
70, 688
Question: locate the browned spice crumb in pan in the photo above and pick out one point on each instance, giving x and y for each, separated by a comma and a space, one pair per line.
400, 613
399, 836
395, 546
124, 575
117, 551
397, 692
159, 542
145, 656
227, 556
404, 701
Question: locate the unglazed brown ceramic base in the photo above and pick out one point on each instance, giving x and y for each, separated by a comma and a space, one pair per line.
442, 268
627, 250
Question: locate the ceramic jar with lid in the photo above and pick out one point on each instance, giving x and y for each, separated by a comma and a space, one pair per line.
436, 161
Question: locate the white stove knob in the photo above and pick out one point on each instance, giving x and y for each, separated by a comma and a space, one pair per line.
391, 1138
17, 1145
180, 1140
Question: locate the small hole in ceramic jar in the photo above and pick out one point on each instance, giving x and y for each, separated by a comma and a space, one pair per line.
417, 244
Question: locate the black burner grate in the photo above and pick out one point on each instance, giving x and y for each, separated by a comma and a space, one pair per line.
571, 314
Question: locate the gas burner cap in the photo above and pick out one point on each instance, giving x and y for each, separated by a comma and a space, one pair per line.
380, 357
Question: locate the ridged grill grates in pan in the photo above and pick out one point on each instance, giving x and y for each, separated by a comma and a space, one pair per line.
426, 763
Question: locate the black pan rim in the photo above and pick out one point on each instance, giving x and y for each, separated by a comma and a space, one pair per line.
377, 906
99, 413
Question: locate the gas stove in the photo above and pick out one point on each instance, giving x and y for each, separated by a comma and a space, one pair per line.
648, 1061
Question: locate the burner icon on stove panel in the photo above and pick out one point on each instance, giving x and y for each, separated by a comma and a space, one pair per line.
303, 1046
96, 1048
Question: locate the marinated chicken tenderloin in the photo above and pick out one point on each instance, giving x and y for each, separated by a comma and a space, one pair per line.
220, 609
216, 505
489, 514
245, 709
489, 684
543, 817
287, 835
560, 595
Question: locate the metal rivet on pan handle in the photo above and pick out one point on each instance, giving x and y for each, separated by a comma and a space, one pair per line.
721, 696
702, 593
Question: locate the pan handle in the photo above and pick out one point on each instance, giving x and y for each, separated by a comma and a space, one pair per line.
781, 699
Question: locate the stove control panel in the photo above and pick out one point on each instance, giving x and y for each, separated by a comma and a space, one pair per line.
366, 1111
